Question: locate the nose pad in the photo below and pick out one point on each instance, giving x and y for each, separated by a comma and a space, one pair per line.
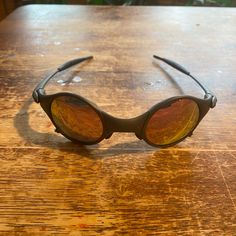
108, 136
138, 136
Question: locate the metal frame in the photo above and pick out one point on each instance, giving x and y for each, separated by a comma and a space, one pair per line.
112, 124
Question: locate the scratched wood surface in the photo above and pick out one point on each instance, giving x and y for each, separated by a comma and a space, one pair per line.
121, 186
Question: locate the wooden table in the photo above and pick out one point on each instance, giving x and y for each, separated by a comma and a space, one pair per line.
121, 186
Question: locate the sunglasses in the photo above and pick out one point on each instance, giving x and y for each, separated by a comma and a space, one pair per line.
163, 125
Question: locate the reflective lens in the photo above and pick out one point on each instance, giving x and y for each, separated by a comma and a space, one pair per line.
76, 119
170, 124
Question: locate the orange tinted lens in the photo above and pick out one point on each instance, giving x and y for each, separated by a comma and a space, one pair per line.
170, 124
76, 119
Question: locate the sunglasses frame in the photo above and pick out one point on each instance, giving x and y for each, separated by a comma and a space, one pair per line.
112, 124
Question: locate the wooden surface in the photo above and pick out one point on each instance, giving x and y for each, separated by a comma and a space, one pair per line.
7, 6
2, 10
121, 186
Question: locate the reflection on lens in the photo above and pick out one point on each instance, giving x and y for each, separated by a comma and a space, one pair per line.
170, 124
76, 119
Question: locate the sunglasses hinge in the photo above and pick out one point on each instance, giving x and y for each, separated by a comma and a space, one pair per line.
35, 96
213, 101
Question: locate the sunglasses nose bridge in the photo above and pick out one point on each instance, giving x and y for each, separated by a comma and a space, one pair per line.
132, 125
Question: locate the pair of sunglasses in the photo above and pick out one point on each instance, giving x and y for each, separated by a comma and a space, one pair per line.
163, 125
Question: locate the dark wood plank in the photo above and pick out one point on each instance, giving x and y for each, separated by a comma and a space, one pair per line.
2, 9
121, 186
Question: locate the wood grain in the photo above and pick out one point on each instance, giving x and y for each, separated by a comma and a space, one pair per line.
2, 10
121, 186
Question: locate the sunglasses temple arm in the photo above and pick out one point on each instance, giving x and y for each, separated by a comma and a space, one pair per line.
183, 70
64, 66
73, 62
